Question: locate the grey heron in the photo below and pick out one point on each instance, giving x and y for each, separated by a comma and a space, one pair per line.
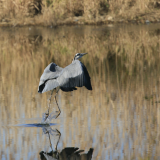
66, 79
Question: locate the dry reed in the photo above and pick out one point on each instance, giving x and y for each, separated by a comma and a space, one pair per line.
52, 12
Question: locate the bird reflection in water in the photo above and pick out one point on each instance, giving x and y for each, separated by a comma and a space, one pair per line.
68, 153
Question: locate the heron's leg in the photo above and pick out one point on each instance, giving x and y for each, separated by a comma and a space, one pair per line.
50, 141
57, 153
59, 112
51, 96
59, 134
47, 114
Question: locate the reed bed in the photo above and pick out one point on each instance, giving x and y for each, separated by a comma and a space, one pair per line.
119, 117
52, 12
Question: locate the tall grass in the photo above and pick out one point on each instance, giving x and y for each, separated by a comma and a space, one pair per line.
120, 115
52, 12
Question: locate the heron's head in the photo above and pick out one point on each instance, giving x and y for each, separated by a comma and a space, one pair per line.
79, 55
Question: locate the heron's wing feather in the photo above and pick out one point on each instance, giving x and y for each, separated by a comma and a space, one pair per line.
49, 85
74, 75
51, 72
87, 79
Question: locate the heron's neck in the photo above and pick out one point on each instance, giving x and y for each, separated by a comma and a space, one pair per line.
73, 59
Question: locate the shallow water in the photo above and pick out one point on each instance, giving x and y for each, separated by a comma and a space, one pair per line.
118, 119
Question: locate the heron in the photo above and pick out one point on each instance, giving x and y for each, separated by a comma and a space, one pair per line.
66, 79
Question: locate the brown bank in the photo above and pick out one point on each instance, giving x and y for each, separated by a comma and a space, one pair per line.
60, 12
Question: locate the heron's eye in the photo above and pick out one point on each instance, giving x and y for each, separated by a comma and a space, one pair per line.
77, 55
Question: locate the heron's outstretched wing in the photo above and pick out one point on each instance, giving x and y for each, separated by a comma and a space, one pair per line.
74, 75
48, 78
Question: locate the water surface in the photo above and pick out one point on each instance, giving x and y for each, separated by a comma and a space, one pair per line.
118, 119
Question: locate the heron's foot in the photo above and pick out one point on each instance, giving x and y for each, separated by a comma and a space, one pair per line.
46, 115
58, 113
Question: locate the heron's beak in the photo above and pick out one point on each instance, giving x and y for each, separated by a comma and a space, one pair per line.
84, 54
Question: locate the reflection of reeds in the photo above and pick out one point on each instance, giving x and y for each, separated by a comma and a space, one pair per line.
120, 114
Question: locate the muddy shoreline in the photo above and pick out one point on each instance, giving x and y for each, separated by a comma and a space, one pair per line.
108, 20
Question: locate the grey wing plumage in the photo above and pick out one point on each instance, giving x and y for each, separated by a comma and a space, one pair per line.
48, 78
74, 75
